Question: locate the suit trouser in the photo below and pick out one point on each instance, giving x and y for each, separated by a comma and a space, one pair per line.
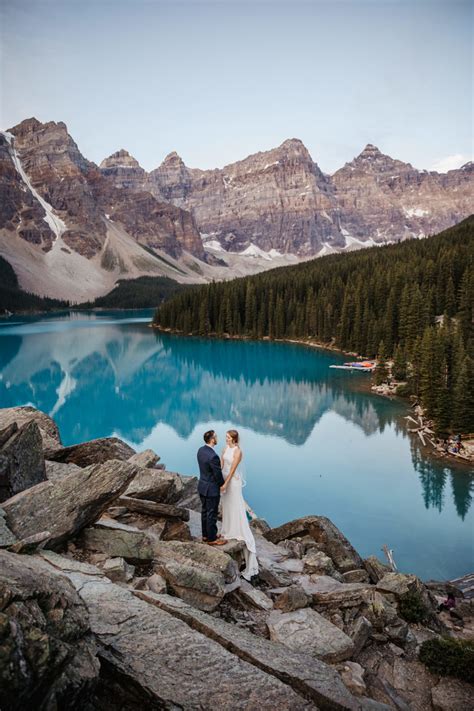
209, 508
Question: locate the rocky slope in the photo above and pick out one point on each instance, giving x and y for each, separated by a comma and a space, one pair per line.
110, 599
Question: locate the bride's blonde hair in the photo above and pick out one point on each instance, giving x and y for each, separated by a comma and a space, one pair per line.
234, 435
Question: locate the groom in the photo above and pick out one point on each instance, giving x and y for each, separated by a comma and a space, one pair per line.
210, 482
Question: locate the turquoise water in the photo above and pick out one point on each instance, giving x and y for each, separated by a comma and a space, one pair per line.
315, 441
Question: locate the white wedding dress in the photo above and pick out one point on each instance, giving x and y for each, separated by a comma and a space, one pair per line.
234, 517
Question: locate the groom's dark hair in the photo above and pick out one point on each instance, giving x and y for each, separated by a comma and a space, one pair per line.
208, 436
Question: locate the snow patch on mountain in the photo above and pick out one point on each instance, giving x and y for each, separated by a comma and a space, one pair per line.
55, 223
415, 212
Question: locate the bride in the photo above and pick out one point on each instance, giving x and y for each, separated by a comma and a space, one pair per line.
234, 517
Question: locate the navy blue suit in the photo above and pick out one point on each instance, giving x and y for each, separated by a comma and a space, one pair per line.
209, 489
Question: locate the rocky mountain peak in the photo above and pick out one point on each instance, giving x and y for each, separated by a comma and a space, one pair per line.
120, 159
173, 158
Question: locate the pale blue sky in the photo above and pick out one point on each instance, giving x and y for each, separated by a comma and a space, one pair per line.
218, 81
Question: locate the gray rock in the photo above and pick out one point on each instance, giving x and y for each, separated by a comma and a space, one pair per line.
270, 558
168, 664
259, 525
146, 459
48, 659
66, 507
21, 461
317, 562
56, 471
198, 574
360, 634
307, 630
118, 570
326, 535
188, 495
156, 583
352, 674
21, 415
251, 597
307, 675
375, 568
96, 451
292, 598
118, 540
329, 593
356, 576
7, 538
452, 695
7, 432
152, 508
31, 543
155, 485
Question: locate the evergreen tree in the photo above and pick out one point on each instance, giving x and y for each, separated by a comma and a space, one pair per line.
381, 369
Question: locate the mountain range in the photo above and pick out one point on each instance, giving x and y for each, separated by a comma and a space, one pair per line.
71, 229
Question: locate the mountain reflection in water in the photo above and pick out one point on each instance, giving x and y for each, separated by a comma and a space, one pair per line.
108, 374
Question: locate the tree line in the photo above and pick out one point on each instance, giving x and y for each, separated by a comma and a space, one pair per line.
413, 302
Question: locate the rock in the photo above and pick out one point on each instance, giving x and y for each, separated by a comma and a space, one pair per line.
151, 508
56, 471
356, 576
375, 568
96, 451
7, 538
48, 660
329, 593
251, 597
21, 415
360, 633
270, 558
145, 460
380, 612
21, 461
69, 565
188, 494
30, 544
304, 673
7, 432
259, 525
398, 583
168, 664
118, 540
352, 674
317, 562
155, 485
198, 574
156, 583
291, 599
307, 630
452, 695
176, 530
325, 534
66, 507
118, 570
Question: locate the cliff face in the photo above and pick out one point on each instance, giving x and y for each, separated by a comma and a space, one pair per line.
277, 200
387, 200
281, 200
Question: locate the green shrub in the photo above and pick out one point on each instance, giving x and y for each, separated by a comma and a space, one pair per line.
449, 657
412, 608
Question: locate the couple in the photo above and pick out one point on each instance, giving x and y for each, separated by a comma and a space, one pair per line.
224, 476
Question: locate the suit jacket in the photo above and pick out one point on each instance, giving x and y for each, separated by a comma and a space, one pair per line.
210, 472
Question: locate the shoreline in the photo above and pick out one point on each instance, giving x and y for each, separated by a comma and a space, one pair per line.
382, 390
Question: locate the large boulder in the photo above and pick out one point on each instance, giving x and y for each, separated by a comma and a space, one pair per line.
96, 451
21, 460
451, 694
150, 659
21, 415
7, 538
156, 485
47, 657
306, 674
199, 574
146, 459
56, 471
66, 507
118, 540
305, 630
326, 535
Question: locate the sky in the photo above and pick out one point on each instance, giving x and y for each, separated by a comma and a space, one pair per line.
217, 81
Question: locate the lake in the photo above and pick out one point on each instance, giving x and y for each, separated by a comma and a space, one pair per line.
315, 440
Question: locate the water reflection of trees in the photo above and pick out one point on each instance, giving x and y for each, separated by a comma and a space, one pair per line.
433, 477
